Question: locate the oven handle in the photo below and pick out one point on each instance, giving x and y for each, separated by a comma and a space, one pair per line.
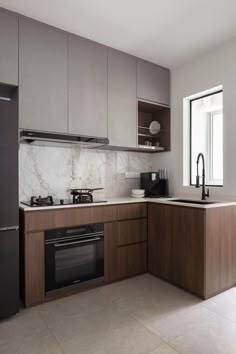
76, 242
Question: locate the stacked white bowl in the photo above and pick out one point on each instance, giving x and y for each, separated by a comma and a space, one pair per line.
137, 193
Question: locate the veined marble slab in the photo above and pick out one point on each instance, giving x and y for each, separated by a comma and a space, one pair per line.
54, 170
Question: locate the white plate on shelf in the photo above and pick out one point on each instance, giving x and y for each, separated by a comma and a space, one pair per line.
137, 196
154, 127
146, 147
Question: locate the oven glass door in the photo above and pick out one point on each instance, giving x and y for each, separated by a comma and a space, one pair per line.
72, 262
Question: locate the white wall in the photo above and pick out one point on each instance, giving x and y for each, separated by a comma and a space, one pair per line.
215, 68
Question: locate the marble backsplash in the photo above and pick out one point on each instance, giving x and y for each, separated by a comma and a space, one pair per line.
53, 171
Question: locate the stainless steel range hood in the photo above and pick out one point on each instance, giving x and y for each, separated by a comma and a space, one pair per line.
57, 139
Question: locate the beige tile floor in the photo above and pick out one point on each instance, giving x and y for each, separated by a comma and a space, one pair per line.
142, 315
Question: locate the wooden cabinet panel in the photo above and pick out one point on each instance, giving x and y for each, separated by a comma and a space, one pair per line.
50, 219
122, 105
132, 211
187, 253
132, 231
42, 77
132, 260
87, 87
110, 252
159, 240
8, 49
153, 82
220, 249
34, 268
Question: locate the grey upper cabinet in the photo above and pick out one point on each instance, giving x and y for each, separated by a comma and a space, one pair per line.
122, 105
87, 87
153, 82
42, 77
8, 49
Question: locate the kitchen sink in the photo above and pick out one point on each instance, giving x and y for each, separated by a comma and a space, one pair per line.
188, 201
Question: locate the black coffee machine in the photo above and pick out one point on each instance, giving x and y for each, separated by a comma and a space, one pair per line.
155, 184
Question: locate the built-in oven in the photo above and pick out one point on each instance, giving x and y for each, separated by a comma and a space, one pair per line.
73, 256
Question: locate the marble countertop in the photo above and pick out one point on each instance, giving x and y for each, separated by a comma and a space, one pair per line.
128, 200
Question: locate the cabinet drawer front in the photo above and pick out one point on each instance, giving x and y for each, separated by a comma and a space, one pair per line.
132, 231
132, 260
50, 219
132, 211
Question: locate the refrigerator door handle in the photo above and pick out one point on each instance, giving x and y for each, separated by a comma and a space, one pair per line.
9, 228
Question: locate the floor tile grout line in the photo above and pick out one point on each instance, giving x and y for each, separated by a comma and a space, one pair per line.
118, 306
219, 315
53, 335
148, 329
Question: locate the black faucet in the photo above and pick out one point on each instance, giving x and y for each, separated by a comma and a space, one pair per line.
204, 194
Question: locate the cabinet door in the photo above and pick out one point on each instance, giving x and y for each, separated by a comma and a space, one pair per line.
8, 49
132, 260
9, 275
122, 105
87, 87
188, 233
153, 82
220, 249
110, 252
34, 272
159, 240
42, 77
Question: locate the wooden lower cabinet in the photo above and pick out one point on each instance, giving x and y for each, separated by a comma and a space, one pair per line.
125, 243
187, 248
34, 284
110, 252
220, 249
132, 260
194, 248
159, 240
176, 245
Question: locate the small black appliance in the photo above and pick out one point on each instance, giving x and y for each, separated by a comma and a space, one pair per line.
155, 184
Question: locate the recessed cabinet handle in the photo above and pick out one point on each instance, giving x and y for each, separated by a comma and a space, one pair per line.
76, 242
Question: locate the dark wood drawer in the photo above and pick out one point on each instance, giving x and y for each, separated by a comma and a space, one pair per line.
132, 231
132, 211
132, 260
50, 219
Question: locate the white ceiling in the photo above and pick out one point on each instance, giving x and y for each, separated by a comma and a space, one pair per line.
167, 32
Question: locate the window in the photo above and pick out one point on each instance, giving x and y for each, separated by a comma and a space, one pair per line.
206, 136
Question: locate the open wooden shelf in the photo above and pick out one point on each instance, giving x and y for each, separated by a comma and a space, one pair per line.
148, 112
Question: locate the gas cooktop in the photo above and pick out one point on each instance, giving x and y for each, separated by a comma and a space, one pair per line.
80, 196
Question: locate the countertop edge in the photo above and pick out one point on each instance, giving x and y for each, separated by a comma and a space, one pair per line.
129, 200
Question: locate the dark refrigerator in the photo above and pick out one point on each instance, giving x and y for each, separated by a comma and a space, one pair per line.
9, 206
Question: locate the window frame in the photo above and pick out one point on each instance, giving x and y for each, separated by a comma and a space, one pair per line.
190, 135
